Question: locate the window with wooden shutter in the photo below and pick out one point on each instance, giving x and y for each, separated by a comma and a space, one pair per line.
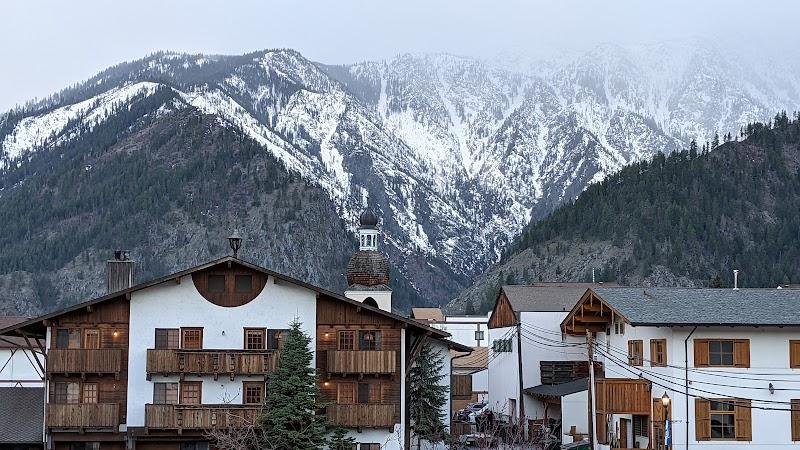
252, 392
795, 419
722, 353
744, 422
635, 349
89, 393
741, 353
255, 338
702, 419
701, 353
794, 354
658, 352
192, 338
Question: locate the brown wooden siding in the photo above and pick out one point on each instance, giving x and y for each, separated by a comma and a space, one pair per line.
111, 318
503, 314
461, 386
229, 297
211, 362
349, 362
82, 415
84, 360
364, 415
199, 416
623, 396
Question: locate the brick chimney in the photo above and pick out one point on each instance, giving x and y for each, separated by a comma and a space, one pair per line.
119, 272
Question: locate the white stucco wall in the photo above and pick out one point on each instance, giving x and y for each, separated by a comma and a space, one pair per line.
480, 381
462, 329
18, 367
503, 367
769, 363
382, 298
171, 305
574, 412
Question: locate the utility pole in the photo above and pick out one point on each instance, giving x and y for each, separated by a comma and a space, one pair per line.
519, 364
592, 404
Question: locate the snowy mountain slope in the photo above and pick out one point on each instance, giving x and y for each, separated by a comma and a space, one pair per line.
457, 154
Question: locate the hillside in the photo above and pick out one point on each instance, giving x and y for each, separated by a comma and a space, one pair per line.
456, 154
687, 219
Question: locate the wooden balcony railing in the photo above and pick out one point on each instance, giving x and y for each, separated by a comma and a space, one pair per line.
211, 362
362, 361
82, 415
200, 416
84, 360
363, 415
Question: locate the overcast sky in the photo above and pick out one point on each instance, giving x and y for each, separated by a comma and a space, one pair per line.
47, 45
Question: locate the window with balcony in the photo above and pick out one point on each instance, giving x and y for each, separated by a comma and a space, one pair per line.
347, 340
68, 338
167, 338
369, 340
89, 393
191, 392
345, 394
255, 338
67, 392
253, 392
165, 393
191, 338
91, 338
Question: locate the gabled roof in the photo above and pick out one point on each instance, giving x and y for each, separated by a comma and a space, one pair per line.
663, 307
477, 360
545, 297
693, 306
21, 415
428, 314
36, 326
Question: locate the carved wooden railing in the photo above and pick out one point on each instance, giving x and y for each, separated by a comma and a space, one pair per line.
200, 416
84, 360
211, 362
362, 361
82, 415
363, 415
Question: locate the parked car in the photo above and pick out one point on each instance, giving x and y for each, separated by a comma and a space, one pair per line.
463, 415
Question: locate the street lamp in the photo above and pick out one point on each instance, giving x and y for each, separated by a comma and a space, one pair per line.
235, 241
667, 431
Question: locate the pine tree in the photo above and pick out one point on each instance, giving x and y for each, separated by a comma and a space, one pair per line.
289, 418
715, 141
428, 396
340, 440
469, 310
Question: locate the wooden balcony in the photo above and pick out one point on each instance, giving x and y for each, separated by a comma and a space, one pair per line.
363, 415
211, 362
202, 417
361, 362
82, 415
623, 396
84, 360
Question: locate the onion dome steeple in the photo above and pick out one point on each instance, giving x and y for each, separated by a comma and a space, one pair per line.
368, 269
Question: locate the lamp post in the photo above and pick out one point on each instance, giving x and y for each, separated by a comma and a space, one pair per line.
667, 431
235, 241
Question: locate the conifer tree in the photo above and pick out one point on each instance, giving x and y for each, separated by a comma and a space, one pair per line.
428, 396
289, 419
340, 440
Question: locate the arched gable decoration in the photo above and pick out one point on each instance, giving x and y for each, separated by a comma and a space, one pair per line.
370, 301
229, 285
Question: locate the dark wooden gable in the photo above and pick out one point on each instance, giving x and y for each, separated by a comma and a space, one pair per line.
591, 313
234, 292
503, 314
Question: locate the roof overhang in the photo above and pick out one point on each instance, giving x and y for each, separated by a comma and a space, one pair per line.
590, 314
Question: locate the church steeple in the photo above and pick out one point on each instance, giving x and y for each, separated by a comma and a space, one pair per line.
368, 269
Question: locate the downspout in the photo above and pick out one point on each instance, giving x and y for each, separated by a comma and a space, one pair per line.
686, 381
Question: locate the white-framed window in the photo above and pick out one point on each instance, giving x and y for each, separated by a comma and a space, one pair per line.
619, 326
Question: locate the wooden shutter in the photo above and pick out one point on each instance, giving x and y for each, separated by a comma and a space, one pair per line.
796, 419
741, 353
702, 416
658, 352
635, 349
744, 423
794, 354
701, 352
600, 422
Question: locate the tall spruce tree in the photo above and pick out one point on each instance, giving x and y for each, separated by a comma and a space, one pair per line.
289, 419
340, 440
428, 396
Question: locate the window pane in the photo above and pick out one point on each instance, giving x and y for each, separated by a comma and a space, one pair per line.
90, 393
253, 393
726, 359
244, 283
254, 339
369, 340
192, 338
167, 338
346, 339
713, 346
62, 338
190, 393
726, 346
73, 393
345, 394
363, 393
91, 338
216, 283
275, 339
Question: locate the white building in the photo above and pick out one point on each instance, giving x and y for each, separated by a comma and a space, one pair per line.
467, 330
530, 316
727, 360
18, 358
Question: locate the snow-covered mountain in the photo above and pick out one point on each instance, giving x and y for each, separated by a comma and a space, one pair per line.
458, 154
